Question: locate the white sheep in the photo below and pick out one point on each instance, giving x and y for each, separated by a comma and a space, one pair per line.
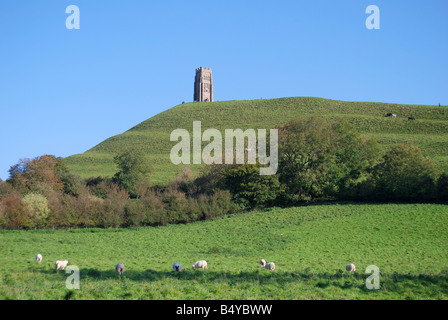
39, 258
119, 268
350, 267
270, 266
177, 267
262, 262
61, 264
200, 264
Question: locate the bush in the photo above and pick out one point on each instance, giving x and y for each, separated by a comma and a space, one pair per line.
404, 174
250, 189
133, 166
2, 214
72, 183
38, 208
442, 188
322, 159
17, 215
6, 189
113, 211
99, 186
155, 214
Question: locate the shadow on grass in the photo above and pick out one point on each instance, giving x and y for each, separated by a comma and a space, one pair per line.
394, 282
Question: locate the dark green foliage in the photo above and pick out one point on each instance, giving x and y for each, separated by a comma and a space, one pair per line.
442, 188
133, 166
404, 174
322, 159
72, 183
250, 189
99, 186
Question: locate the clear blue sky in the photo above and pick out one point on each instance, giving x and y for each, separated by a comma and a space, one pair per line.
64, 91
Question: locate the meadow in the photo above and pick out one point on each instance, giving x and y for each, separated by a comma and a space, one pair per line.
429, 131
310, 246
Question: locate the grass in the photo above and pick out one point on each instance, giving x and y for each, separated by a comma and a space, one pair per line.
310, 246
429, 131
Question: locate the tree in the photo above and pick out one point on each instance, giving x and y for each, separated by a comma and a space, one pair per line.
318, 158
40, 174
250, 189
404, 174
133, 167
442, 188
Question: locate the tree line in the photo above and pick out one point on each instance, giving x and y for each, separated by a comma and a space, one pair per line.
319, 160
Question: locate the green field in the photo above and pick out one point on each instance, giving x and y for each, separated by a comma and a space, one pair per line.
429, 131
310, 246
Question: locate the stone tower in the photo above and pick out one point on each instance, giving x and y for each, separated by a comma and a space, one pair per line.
203, 85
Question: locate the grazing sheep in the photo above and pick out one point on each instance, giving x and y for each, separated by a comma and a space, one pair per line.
263, 262
200, 264
61, 264
270, 266
411, 118
39, 258
119, 268
177, 267
350, 267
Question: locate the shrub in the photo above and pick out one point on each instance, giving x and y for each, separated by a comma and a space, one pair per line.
155, 214
113, 210
37, 207
250, 189
404, 174
6, 189
321, 159
442, 188
72, 183
2, 214
17, 215
99, 186
176, 206
133, 166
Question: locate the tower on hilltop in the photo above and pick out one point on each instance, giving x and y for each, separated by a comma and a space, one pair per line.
203, 85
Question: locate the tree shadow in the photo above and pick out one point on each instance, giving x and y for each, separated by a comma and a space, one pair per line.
391, 282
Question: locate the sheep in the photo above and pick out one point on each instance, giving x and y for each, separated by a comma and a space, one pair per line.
270, 266
350, 267
38, 258
200, 264
61, 264
177, 267
262, 262
119, 268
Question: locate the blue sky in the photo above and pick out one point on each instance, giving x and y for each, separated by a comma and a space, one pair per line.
64, 91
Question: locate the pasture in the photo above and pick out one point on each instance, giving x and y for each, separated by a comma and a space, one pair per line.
310, 246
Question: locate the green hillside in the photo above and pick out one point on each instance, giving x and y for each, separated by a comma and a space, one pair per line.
429, 131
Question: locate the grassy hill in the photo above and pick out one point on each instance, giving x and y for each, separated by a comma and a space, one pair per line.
429, 131
309, 245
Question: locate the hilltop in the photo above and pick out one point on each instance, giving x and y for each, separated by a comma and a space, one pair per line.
429, 131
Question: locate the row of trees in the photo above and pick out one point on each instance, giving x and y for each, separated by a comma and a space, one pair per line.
322, 160
318, 160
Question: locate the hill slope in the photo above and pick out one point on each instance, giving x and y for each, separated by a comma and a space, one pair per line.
429, 131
